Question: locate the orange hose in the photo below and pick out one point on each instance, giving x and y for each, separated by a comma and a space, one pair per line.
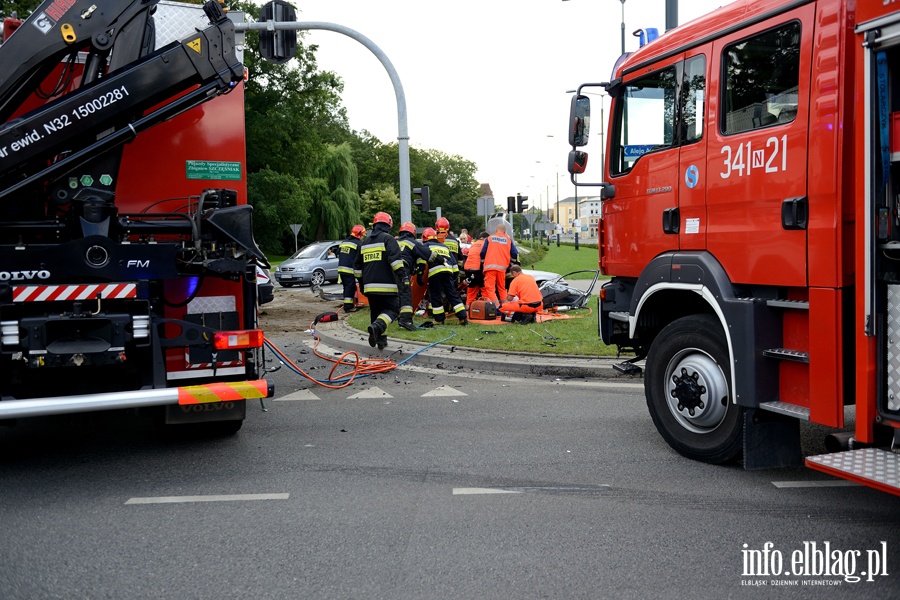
357, 367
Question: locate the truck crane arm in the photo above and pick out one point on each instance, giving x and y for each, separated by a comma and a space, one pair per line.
110, 110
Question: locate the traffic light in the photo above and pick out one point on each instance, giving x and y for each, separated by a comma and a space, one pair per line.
424, 198
278, 46
510, 204
521, 203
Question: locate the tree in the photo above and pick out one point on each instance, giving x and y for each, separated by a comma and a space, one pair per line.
374, 200
451, 179
335, 207
453, 188
295, 123
21, 8
286, 202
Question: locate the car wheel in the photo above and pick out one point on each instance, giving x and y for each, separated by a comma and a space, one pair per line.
318, 278
687, 385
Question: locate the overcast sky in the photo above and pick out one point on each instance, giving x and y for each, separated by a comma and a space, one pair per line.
483, 79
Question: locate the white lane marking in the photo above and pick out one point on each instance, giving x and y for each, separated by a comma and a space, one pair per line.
298, 395
552, 489
531, 379
372, 392
444, 390
223, 498
815, 484
470, 491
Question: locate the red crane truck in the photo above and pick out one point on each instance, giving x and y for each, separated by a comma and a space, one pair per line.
751, 226
127, 258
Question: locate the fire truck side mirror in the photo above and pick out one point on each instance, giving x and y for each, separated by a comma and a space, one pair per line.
577, 161
278, 45
579, 120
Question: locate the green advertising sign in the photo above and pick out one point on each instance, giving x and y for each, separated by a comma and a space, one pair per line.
213, 169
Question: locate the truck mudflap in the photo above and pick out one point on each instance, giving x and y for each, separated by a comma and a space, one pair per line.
187, 395
873, 467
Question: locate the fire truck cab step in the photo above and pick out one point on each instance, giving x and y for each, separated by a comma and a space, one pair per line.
619, 316
784, 408
874, 467
787, 354
795, 304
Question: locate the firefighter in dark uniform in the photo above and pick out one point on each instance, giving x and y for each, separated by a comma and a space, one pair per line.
346, 259
415, 258
442, 227
380, 268
442, 274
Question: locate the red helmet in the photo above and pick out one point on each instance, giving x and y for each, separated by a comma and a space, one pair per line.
429, 234
383, 217
408, 227
358, 231
442, 225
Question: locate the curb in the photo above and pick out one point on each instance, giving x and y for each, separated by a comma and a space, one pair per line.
341, 335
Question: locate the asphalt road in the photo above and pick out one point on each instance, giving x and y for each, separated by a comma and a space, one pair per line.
416, 484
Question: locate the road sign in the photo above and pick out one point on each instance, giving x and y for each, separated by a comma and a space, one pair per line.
485, 206
296, 227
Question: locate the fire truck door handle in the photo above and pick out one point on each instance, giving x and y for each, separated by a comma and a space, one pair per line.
794, 213
671, 220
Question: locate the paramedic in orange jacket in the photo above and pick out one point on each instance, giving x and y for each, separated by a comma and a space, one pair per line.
524, 295
473, 270
496, 254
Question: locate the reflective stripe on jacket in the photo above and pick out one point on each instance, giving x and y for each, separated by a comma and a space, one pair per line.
441, 259
496, 252
378, 263
347, 255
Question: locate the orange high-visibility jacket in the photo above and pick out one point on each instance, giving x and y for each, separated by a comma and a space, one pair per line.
473, 260
496, 252
526, 288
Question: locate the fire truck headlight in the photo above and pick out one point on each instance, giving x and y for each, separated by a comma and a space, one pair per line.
141, 326
9, 333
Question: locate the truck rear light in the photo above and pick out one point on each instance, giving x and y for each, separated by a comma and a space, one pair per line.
9, 333
141, 327
238, 340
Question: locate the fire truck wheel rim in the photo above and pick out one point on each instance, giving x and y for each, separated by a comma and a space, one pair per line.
696, 391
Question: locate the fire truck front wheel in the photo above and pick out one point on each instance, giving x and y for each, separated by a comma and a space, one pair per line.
687, 385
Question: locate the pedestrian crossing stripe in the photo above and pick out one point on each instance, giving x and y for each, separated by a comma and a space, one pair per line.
372, 392
444, 390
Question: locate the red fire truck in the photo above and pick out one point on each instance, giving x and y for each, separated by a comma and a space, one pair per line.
751, 226
127, 259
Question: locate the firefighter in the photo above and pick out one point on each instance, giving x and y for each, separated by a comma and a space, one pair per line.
380, 268
442, 273
524, 299
472, 268
496, 255
415, 258
346, 259
446, 237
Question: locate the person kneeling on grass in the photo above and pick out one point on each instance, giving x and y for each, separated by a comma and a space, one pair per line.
524, 299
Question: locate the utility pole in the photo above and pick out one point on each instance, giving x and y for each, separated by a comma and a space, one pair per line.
671, 14
402, 126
